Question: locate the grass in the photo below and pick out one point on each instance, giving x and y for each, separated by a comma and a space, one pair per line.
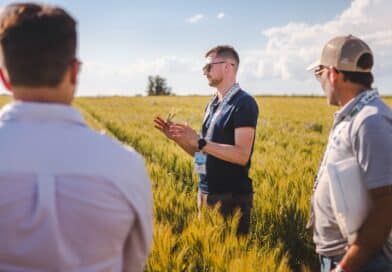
290, 139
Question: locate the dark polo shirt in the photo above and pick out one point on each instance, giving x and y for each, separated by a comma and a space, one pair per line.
223, 176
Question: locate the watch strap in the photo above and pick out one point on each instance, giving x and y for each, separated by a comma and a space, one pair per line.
201, 143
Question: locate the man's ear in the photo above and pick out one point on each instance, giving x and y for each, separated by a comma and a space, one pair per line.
75, 69
4, 78
333, 74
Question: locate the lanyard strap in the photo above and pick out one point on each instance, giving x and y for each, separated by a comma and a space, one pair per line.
366, 98
233, 90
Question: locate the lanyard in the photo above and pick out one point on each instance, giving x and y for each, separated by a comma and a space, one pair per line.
366, 98
233, 90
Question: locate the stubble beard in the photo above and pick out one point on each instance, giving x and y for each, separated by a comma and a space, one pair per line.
214, 82
331, 99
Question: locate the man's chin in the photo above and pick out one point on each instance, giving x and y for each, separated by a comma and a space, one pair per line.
332, 102
212, 83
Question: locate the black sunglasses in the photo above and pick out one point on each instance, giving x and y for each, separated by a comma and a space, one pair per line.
208, 66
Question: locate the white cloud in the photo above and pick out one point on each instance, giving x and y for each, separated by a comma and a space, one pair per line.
220, 15
290, 48
278, 66
195, 18
106, 79
165, 64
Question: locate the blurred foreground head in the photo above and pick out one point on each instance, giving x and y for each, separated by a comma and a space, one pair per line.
38, 45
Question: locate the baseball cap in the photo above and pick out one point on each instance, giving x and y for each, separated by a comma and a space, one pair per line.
343, 53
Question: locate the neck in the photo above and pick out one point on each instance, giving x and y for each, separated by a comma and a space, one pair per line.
350, 93
223, 88
42, 95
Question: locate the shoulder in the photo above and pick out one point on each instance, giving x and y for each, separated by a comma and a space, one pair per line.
119, 162
244, 98
111, 149
245, 110
373, 117
373, 124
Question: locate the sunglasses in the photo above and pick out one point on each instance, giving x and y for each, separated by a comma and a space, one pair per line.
208, 66
319, 71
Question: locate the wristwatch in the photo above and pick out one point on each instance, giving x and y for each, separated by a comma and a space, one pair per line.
201, 143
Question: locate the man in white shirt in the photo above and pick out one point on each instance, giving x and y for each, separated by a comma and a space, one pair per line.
70, 198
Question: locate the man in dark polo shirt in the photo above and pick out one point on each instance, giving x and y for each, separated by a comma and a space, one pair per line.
223, 149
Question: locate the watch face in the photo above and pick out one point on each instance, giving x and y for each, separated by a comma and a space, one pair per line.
201, 143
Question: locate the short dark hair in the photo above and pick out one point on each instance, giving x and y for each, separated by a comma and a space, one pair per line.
363, 78
225, 51
38, 43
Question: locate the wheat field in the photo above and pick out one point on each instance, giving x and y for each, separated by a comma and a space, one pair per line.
290, 139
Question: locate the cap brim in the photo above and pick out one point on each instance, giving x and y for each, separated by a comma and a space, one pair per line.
313, 65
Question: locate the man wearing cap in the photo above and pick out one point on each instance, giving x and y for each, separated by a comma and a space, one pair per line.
362, 130
71, 199
223, 149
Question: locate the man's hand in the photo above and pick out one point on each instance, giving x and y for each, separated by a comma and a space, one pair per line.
178, 133
184, 134
374, 232
163, 126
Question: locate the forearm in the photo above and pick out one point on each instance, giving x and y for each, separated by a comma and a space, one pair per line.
230, 153
238, 153
371, 236
187, 148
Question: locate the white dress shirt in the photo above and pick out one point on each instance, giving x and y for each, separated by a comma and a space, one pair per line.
71, 199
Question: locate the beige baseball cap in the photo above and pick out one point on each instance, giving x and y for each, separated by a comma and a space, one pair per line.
343, 53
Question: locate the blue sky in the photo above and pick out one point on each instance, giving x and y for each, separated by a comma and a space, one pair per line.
122, 42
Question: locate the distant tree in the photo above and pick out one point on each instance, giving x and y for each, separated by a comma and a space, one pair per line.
157, 86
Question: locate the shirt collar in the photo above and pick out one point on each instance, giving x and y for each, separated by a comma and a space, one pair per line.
43, 112
346, 109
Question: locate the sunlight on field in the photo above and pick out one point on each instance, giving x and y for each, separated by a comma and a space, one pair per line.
291, 136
